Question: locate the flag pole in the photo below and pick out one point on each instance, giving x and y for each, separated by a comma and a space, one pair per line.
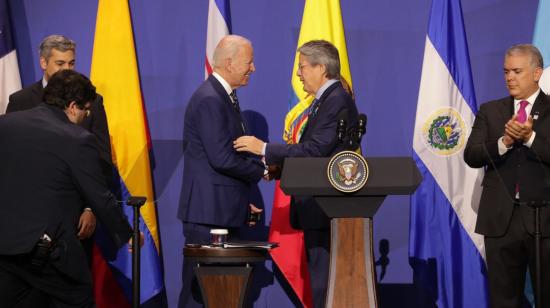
136, 203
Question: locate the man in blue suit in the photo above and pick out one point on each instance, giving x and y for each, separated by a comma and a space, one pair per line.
319, 71
217, 180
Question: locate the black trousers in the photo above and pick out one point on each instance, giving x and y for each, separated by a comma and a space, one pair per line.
508, 258
317, 242
22, 288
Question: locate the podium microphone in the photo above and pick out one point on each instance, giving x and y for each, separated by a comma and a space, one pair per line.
341, 128
362, 128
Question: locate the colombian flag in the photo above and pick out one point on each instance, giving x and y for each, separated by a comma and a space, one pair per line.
115, 74
322, 20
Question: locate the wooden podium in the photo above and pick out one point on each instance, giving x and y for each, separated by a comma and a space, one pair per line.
352, 279
224, 273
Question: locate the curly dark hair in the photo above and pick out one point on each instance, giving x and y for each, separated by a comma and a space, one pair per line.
67, 86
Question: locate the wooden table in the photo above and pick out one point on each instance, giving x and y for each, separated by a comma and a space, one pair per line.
224, 273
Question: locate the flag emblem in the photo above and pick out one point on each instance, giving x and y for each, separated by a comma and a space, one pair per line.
444, 132
347, 171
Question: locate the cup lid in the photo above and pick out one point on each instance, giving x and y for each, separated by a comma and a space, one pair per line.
218, 231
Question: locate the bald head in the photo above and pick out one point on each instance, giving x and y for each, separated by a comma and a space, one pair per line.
234, 60
227, 48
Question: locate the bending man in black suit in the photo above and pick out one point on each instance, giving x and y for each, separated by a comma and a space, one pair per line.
319, 71
50, 169
511, 139
57, 53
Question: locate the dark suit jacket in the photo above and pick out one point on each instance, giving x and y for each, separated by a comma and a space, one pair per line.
216, 179
50, 169
96, 123
527, 167
319, 139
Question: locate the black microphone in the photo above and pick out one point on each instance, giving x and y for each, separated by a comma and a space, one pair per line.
341, 127
362, 127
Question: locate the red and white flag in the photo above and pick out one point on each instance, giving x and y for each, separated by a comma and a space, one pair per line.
10, 80
219, 25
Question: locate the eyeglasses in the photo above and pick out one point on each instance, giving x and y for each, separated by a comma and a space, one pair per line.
86, 109
301, 66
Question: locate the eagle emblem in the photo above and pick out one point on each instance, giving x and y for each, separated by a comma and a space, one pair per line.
347, 171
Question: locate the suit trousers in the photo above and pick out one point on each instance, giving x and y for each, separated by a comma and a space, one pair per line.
508, 258
317, 242
22, 288
190, 294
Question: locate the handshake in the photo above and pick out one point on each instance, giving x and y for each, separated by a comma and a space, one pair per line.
256, 146
273, 172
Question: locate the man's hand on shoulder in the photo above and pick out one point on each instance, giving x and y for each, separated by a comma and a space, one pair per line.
249, 144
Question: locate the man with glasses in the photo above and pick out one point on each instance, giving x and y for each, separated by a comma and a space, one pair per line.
50, 169
319, 72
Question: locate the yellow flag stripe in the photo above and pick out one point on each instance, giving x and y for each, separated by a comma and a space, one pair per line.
115, 74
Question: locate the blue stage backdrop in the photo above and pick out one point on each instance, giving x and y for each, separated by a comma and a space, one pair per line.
385, 41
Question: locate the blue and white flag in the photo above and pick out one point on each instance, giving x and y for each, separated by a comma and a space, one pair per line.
10, 80
541, 39
446, 254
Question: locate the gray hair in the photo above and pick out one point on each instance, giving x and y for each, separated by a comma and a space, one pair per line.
58, 42
527, 49
227, 48
322, 52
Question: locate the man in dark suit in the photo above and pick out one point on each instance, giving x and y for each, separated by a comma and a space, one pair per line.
50, 169
319, 71
217, 180
57, 53
511, 140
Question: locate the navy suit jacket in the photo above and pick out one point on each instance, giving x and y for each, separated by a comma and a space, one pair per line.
319, 139
216, 179
50, 168
527, 167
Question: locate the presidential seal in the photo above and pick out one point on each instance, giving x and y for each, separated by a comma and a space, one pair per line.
444, 132
347, 171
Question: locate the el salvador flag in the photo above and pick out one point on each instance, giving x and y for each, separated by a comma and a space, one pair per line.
541, 39
446, 255
9, 72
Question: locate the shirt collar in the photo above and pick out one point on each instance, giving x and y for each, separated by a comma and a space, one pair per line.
531, 99
44, 82
224, 83
325, 86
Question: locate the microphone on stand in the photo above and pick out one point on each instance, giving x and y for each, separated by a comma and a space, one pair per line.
361, 129
341, 129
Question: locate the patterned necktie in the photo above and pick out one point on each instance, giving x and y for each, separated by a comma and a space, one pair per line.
235, 103
314, 108
235, 100
522, 113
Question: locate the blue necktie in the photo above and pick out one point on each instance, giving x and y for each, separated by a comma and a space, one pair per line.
314, 108
235, 100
